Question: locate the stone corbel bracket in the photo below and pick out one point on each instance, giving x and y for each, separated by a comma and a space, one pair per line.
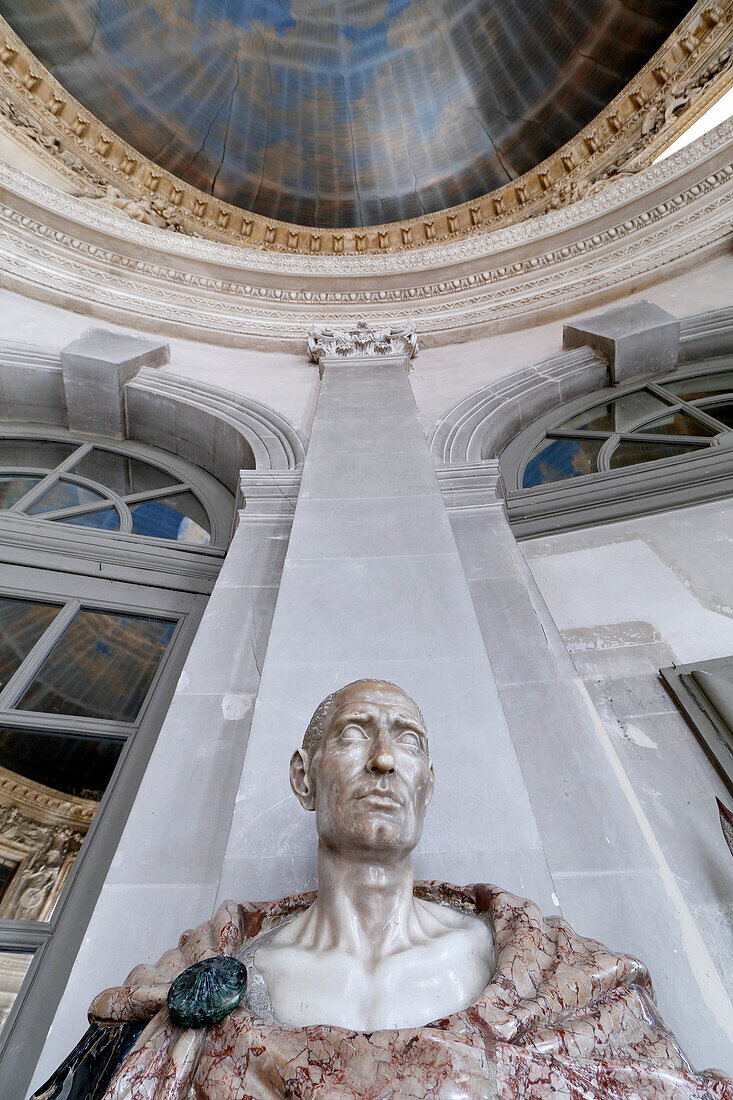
672, 90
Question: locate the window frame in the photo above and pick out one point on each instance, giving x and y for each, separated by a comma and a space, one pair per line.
112, 571
613, 494
57, 941
214, 498
710, 726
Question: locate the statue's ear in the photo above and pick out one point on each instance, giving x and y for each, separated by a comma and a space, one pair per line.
431, 788
299, 780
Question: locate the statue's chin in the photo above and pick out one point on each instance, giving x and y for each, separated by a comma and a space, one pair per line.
379, 838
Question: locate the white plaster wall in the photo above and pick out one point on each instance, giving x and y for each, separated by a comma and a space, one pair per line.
671, 570
630, 598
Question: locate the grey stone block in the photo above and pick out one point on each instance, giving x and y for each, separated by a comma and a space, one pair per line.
96, 368
636, 340
32, 392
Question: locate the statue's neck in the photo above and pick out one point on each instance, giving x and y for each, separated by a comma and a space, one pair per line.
365, 907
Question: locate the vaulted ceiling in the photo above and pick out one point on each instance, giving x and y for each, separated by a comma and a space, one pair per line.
345, 112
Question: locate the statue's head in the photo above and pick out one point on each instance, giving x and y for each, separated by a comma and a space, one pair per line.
364, 767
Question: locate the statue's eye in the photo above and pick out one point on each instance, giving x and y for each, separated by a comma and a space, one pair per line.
409, 739
353, 733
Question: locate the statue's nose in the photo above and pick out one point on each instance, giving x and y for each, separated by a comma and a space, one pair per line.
382, 759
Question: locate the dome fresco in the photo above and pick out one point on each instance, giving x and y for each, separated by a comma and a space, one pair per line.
345, 113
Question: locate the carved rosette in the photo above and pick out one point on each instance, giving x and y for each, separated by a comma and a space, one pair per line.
363, 341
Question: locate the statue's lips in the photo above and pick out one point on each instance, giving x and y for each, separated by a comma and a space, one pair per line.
381, 799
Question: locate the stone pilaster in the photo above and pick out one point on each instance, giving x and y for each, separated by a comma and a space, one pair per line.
373, 586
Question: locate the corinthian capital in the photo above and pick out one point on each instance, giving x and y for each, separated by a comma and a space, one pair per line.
361, 341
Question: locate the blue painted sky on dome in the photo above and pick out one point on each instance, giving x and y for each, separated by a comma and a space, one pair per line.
344, 112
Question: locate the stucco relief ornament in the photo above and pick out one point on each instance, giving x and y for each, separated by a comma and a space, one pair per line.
377, 987
364, 340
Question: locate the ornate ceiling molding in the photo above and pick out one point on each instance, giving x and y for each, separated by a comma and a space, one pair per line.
643, 228
670, 91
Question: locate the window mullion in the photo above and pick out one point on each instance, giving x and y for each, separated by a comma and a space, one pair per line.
665, 395
671, 440
52, 476
125, 518
603, 462
79, 509
33, 494
155, 494
577, 433
693, 411
22, 677
23, 935
39, 721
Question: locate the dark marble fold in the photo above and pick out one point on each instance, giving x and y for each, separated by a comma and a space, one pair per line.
88, 1070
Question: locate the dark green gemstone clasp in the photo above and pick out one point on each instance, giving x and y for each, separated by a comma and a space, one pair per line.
207, 992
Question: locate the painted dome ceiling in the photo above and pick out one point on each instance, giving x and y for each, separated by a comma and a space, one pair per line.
345, 112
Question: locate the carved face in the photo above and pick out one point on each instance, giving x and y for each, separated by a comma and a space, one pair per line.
370, 779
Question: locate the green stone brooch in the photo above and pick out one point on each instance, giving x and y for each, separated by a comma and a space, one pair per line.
205, 993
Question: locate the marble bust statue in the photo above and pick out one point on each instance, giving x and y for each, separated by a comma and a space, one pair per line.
368, 954
377, 987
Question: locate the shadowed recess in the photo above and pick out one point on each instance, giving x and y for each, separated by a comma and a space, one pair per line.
350, 113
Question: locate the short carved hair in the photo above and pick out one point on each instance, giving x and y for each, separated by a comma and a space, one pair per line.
318, 724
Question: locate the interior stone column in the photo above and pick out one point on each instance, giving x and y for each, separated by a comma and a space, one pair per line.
373, 586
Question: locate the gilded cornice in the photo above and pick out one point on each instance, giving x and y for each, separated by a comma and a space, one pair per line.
671, 91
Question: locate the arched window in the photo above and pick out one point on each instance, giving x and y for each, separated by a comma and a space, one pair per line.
624, 451
108, 486
107, 551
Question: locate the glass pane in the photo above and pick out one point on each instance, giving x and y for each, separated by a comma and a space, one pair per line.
101, 667
44, 454
13, 488
63, 494
677, 424
22, 622
559, 459
104, 519
64, 762
722, 411
631, 454
616, 415
8, 867
705, 385
121, 474
67, 775
13, 968
180, 517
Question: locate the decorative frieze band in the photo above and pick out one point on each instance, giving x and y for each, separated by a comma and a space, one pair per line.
689, 72
644, 228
